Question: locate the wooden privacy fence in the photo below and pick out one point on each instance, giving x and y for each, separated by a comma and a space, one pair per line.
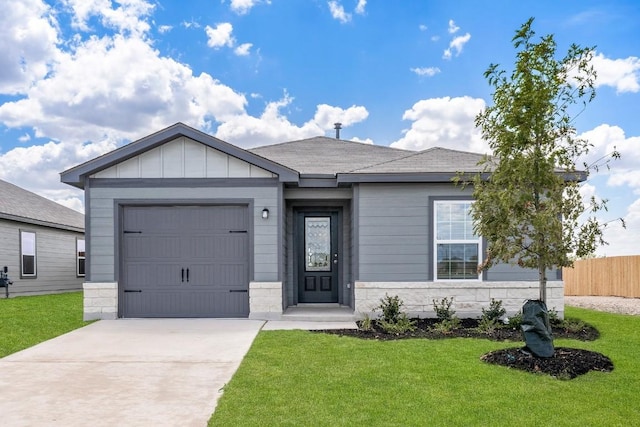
612, 276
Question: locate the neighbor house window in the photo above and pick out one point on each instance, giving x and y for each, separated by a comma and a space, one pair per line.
27, 254
456, 246
80, 256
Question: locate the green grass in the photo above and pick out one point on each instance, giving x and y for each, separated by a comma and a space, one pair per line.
298, 378
26, 321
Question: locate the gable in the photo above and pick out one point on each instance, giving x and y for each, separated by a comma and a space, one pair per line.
183, 157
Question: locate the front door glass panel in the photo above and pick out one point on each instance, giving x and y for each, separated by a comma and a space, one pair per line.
317, 238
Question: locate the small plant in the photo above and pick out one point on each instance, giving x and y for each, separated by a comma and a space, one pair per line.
573, 325
400, 326
515, 321
487, 326
366, 324
443, 309
391, 308
494, 312
447, 325
554, 318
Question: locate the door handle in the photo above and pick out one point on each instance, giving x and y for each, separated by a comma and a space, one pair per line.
187, 275
182, 276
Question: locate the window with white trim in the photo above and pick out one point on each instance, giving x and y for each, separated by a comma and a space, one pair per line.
27, 254
456, 247
81, 257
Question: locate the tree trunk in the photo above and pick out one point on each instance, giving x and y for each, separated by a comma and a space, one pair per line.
542, 277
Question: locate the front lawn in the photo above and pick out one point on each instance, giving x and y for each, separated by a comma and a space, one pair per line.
26, 321
301, 378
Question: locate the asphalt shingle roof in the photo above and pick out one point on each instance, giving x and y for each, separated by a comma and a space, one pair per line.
322, 155
19, 204
434, 159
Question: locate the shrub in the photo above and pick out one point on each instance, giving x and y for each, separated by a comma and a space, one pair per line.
400, 326
488, 326
573, 325
515, 321
443, 309
391, 308
554, 318
494, 312
447, 325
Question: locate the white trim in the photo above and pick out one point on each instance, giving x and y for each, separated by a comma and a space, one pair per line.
478, 240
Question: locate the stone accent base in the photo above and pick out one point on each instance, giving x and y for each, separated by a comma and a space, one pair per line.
100, 301
468, 298
265, 300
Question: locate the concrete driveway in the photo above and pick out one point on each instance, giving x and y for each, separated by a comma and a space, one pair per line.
139, 372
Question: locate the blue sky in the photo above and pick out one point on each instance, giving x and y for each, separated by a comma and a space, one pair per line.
81, 77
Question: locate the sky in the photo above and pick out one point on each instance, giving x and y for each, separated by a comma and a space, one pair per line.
79, 78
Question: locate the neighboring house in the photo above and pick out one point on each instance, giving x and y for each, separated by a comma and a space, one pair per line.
41, 243
182, 224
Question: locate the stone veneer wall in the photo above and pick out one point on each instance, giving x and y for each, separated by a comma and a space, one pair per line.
265, 300
100, 301
468, 297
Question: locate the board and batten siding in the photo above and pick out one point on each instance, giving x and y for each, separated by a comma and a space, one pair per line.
56, 260
103, 226
183, 158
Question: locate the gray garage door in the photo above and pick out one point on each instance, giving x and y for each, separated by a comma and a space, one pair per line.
185, 261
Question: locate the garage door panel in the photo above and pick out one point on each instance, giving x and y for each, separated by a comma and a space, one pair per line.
211, 245
153, 247
147, 276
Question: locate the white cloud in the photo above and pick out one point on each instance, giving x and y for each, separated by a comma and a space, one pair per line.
453, 28
623, 241
25, 138
360, 7
128, 18
273, 127
243, 49
120, 88
338, 12
426, 71
456, 45
622, 74
362, 141
422, 27
164, 28
28, 39
242, 7
220, 36
444, 122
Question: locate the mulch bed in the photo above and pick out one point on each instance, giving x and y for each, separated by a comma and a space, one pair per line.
566, 363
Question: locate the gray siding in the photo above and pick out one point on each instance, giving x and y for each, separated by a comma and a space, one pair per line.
102, 226
55, 258
394, 241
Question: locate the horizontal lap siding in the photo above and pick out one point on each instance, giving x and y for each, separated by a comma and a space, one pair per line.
102, 255
55, 259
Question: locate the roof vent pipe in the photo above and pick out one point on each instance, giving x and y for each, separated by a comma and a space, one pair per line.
337, 127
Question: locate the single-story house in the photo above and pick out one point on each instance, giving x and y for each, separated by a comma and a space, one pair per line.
182, 224
41, 243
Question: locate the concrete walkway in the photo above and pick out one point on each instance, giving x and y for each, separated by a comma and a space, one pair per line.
165, 372
134, 372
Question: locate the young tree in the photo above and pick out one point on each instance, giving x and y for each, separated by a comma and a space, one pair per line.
528, 205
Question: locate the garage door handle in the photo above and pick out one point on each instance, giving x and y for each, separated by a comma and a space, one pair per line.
237, 231
126, 291
187, 275
238, 290
182, 275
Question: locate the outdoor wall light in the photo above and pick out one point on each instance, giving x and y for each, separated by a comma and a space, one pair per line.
265, 213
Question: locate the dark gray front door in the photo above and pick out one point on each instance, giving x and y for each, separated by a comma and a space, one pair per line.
317, 258
185, 261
